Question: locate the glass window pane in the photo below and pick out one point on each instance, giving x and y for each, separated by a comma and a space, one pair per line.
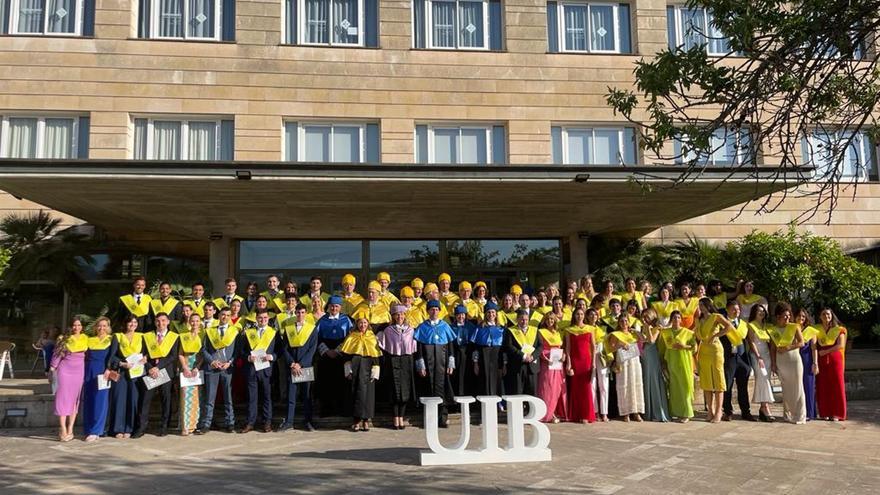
443, 24
606, 147
317, 143
471, 22
140, 139
59, 138
473, 146
575, 17
483, 254
345, 21
346, 144
445, 146
693, 26
171, 18
201, 18
22, 140
166, 140
30, 16
202, 144
397, 255
62, 16
579, 149
602, 30
718, 43
275, 255
317, 13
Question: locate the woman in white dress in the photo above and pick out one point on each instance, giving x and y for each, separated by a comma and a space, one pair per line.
759, 344
628, 370
787, 341
600, 367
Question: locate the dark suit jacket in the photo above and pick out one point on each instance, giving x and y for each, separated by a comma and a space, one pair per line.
168, 363
245, 352
303, 355
515, 355
210, 354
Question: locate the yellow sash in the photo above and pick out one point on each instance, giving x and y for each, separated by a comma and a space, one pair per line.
258, 343
190, 343
553, 338
134, 347
738, 334
361, 344
220, 302
663, 309
298, 338
375, 314
77, 343
638, 296
138, 310
167, 308
830, 337
744, 299
809, 333
575, 330
156, 350
760, 332
252, 316
685, 336
625, 337
199, 309
689, 308
96, 344
229, 336
306, 300
783, 337
524, 338
720, 301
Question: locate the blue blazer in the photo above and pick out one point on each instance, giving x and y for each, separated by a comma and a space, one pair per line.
303, 355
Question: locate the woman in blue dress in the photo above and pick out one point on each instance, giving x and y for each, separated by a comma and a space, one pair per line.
810, 360
96, 401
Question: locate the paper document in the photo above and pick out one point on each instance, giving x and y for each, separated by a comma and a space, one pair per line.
306, 375
103, 383
191, 382
555, 359
161, 379
259, 363
136, 370
528, 349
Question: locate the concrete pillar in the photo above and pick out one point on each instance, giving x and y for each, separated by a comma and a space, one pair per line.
220, 263
577, 245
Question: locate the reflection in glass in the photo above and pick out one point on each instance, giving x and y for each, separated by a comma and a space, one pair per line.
277, 255
396, 255
503, 253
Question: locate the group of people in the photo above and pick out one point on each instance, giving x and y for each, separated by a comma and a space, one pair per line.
589, 355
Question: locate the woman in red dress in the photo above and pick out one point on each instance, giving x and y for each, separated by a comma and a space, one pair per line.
579, 350
830, 386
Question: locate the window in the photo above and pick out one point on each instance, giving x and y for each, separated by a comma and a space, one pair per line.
196, 139
588, 27
593, 145
325, 142
52, 137
469, 144
727, 147
331, 22
858, 158
689, 28
457, 24
187, 19
47, 17
315, 255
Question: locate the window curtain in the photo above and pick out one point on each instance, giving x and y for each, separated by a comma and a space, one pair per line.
606, 147
317, 12
202, 143
471, 22
473, 146
443, 19
693, 27
59, 138
575, 27
140, 139
290, 139
30, 16
718, 43
171, 18
201, 18
602, 33
22, 138
290, 22
62, 16
166, 140
579, 149
346, 144
346, 25
317, 144
446, 146
419, 24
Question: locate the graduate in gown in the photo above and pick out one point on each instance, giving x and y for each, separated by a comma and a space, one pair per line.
162, 347
579, 353
398, 347
96, 402
679, 345
830, 385
434, 360
361, 353
299, 342
332, 385
261, 338
137, 303
462, 380
374, 308
486, 341
350, 298
523, 348
124, 395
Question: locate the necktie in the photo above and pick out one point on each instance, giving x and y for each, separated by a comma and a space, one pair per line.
137, 299
228, 299
222, 329
160, 337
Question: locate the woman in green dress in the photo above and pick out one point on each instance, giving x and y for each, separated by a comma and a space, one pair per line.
656, 404
679, 343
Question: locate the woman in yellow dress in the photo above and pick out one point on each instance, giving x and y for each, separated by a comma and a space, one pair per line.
633, 294
190, 362
710, 357
664, 307
687, 305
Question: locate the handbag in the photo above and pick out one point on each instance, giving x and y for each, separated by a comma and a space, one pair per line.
113, 376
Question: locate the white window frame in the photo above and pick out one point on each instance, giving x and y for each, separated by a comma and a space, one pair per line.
301, 138
429, 26
486, 128
865, 155
14, 15
679, 29
560, 30
302, 25
741, 158
184, 135
40, 151
154, 23
621, 135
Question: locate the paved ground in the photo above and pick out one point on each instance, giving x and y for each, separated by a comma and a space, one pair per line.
735, 457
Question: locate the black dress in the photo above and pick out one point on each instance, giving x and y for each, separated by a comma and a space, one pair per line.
363, 387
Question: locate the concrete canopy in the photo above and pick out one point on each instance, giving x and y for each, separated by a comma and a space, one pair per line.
307, 200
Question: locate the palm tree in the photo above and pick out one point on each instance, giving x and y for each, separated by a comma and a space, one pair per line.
40, 250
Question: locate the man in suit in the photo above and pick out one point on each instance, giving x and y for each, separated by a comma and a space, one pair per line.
522, 345
162, 349
197, 301
165, 303
737, 364
218, 356
137, 303
261, 338
299, 341
229, 295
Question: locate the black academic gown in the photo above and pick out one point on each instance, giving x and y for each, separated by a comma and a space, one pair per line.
521, 377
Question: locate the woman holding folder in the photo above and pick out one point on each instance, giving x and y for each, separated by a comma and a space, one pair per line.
129, 361
96, 388
190, 361
551, 379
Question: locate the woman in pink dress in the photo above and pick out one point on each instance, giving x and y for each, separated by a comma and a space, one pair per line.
68, 370
579, 366
551, 382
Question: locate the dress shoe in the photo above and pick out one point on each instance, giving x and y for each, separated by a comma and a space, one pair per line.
137, 434
725, 417
310, 427
267, 428
247, 428
749, 417
201, 431
229, 429
163, 432
284, 427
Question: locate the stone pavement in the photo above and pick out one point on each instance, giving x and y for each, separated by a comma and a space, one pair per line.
698, 457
